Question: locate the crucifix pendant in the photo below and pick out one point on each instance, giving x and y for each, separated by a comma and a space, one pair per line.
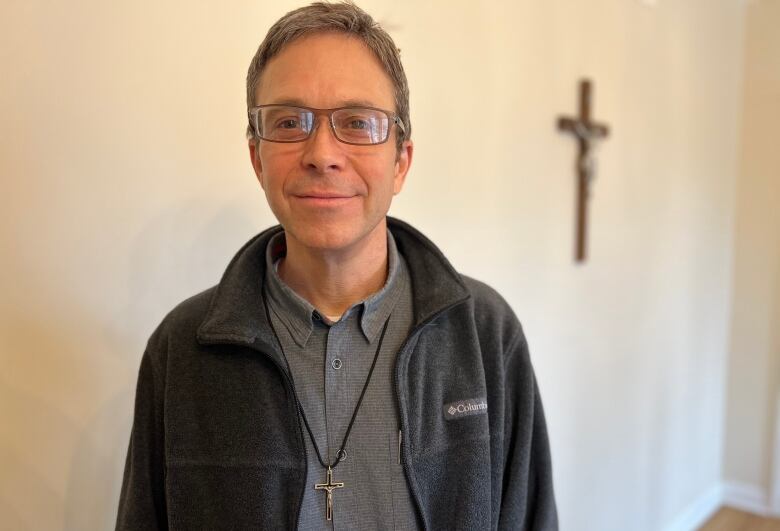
329, 487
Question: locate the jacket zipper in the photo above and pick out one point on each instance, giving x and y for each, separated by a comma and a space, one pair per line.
291, 385
287, 375
401, 454
399, 447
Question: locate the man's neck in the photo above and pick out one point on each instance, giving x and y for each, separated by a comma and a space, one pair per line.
332, 281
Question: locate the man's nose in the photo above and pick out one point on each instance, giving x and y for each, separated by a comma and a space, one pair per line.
322, 150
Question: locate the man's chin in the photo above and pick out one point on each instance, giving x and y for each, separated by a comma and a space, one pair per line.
331, 237
326, 240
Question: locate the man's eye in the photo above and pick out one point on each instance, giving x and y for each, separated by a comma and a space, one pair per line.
357, 123
288, 123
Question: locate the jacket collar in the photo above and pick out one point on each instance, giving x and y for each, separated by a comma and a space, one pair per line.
238, 314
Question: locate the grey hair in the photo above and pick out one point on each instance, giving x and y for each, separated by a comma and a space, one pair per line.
342, 17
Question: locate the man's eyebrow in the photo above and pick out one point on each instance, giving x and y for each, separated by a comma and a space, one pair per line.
295, 102
358, 103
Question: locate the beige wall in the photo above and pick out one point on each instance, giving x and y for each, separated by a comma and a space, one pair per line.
127, 188
752, 449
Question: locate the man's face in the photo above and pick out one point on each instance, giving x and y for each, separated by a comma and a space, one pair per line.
326, 194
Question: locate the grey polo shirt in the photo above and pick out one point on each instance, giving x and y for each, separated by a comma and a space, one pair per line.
329, 362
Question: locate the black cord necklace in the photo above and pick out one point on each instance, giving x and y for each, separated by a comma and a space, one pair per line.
329, 486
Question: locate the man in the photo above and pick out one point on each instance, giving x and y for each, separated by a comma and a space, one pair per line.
342, 374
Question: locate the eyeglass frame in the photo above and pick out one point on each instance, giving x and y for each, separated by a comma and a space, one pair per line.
393, 118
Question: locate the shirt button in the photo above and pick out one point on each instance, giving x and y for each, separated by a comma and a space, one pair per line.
336, 364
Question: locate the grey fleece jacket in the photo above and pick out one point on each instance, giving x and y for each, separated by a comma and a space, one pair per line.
217, 442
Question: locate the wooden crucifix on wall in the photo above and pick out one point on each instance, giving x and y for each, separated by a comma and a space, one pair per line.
587, 133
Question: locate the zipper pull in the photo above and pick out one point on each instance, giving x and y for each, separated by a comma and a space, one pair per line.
399, 447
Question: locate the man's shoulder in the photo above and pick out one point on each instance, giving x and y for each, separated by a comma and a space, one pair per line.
482, 291
182, 322
486, 298
494, 317
193, 308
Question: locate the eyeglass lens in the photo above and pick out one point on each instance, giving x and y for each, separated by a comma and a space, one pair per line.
353, 125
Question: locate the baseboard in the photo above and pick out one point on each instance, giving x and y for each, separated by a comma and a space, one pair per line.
742, 496
698, 512
747, 497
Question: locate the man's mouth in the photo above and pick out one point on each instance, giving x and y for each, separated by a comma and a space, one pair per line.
325, 196
324, 199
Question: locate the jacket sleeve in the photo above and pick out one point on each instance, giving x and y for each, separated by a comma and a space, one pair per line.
528, 500
142, 501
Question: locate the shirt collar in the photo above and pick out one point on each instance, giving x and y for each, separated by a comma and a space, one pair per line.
298, 315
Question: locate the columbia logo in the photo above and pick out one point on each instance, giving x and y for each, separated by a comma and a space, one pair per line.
465, 408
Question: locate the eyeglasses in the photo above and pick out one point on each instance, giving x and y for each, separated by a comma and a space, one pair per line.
351, 125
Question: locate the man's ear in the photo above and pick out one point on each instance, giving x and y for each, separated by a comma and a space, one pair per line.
254, 155
402, 164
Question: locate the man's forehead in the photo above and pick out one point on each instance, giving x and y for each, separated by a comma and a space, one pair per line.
328, 70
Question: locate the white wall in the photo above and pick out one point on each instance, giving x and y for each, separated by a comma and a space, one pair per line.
127, 188
753, 443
